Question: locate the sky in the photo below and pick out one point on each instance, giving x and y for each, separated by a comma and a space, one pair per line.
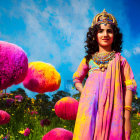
54, 31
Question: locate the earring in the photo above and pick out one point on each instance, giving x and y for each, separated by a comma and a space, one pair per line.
93, 38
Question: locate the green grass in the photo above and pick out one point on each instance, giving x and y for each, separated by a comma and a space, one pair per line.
37, 131
21, 119
135, 134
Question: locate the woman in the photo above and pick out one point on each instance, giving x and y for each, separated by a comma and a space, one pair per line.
105, 102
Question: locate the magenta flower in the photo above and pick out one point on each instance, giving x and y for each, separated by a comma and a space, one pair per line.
5, 138
26, 132
34, 112
133, 109
19, 98
45, 122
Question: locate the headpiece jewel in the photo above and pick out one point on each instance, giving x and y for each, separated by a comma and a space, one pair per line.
105, 18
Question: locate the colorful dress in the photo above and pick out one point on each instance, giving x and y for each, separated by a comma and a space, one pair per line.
100, 110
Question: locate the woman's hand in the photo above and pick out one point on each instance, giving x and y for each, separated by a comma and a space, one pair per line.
127, 125
79, 87
127, 114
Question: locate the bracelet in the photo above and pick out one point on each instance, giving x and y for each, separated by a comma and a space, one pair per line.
129, 108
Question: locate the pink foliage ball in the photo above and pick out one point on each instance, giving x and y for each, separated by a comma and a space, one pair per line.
66, 108
13, 64
42, 77
58, 134
4, 117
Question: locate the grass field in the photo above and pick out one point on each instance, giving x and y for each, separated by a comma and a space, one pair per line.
21, 118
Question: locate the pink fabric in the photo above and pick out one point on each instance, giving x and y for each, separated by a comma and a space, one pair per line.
100, 110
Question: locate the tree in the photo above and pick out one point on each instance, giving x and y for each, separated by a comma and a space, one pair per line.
136, 103
59, 95
19, 91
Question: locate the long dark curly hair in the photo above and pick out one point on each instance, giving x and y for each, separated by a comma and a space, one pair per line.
92, 45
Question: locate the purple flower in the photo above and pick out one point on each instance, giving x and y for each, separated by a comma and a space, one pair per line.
10, 101
26, 132
45, 122
133, 109
4, 138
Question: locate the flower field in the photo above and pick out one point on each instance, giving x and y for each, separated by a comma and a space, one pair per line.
31, 119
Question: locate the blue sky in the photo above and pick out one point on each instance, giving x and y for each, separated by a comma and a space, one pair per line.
54, 31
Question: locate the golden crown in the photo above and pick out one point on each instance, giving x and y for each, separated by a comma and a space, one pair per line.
105, 18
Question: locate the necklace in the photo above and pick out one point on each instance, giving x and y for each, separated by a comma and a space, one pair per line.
102, 59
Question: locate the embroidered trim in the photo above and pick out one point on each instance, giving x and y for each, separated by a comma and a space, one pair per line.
130, 82
93, 66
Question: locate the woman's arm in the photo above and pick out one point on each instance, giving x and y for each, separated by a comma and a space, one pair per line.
127, 121
80, 74
79, 87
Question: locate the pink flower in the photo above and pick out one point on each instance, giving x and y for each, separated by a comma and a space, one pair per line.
139, 123
26, 132
19, 98
133, 109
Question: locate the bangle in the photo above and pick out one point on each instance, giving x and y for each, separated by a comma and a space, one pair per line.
129, 108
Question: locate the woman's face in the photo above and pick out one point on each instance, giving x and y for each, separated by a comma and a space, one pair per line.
105, 36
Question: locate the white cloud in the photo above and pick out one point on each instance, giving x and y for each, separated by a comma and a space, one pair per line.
72, 24
71, 20
127, 53
40, 45
136, 50
74, 28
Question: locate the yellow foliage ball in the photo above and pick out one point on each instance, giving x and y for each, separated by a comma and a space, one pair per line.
42, 77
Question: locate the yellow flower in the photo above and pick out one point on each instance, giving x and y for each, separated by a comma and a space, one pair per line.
21, 132
72, 87
1, 136
40, 100
65, 126
28, 109
136, 97
32, 100
53, 109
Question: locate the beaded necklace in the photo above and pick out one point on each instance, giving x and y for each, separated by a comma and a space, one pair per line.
102, 59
